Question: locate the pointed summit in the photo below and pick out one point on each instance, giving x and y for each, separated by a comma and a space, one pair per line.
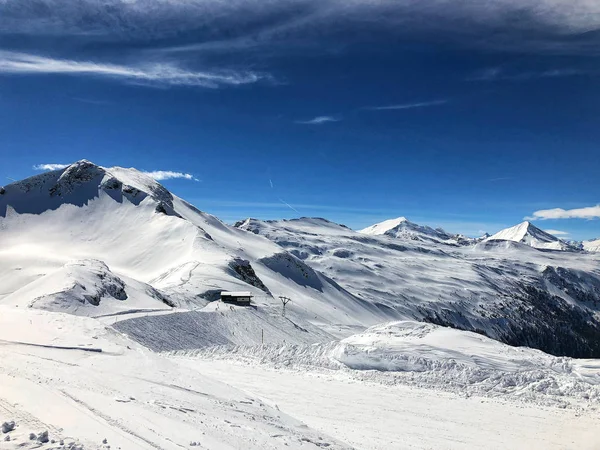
384, 227
527, 233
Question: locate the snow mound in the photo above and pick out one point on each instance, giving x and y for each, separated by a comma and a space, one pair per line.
87, 287
529, 234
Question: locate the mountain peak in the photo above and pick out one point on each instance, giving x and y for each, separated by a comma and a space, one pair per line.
527, 233
401, 227
77, 184
385, 226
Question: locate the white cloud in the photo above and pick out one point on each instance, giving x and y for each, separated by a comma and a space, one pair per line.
407, 106
590, 212
319, 120
557, 232
161, 73
50, 166
160, 175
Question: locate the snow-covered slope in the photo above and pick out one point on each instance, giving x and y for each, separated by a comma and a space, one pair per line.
90, 388
507, 290
96, 241
592, 245
529, 234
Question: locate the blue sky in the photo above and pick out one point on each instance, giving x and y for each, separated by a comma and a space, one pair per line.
470, 115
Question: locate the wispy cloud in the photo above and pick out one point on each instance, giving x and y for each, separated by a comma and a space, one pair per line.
493, 180
160, 175
51, 166
557, 232
319, 120
160, 73
403, 106
590, 212
500, 74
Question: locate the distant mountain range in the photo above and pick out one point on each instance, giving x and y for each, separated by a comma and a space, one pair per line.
98, 241
524, 233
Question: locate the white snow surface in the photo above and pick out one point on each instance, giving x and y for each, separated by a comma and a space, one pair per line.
374, 416
84, 383
592, 245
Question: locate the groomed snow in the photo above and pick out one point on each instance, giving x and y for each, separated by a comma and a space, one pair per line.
84, 383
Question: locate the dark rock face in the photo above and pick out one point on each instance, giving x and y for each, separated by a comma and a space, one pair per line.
244, 271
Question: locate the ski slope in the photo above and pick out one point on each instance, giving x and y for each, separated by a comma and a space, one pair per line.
420, 386
91, 388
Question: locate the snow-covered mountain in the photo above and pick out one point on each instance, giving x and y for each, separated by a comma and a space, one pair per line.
592, 245
504, 289
529, 234
404, 228
97, 241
